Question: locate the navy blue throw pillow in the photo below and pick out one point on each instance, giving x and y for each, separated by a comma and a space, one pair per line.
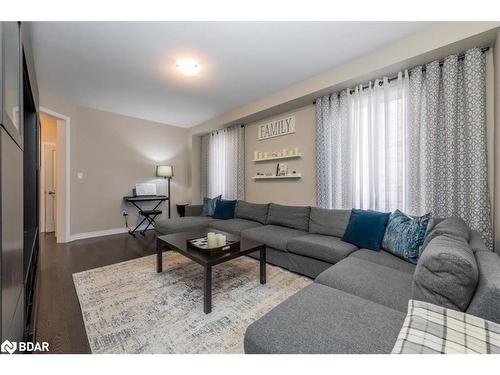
224, 209
366, 228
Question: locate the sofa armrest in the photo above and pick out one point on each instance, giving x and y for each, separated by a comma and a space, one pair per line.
194, 209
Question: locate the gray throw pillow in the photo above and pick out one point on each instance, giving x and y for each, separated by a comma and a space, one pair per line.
446, 273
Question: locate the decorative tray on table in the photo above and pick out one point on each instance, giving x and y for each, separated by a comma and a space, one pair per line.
201, 244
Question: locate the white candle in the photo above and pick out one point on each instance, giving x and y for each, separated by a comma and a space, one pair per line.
221, 239
211, 240
260, 155
265, 154
296, 150
256, 155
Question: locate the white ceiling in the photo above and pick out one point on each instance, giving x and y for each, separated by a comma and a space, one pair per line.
129, 67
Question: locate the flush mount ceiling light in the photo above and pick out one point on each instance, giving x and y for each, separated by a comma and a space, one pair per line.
188, 67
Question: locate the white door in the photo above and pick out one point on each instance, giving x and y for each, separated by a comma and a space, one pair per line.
50, 188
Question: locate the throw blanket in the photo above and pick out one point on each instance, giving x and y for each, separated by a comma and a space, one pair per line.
434, 329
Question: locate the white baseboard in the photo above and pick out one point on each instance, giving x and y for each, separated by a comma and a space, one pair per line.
101, 233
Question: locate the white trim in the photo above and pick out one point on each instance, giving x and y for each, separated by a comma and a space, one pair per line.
64, 155
101, 233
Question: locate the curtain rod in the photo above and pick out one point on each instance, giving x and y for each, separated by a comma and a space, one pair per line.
441, 62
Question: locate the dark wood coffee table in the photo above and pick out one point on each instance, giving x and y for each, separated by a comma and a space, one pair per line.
177, 242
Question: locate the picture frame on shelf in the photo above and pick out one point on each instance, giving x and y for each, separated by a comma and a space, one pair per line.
281, 169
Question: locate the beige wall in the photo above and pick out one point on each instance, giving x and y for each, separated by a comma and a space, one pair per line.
295, 192
115, 152
48, 128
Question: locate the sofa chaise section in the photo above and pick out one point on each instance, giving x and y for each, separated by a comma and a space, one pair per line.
383, 285
319, 319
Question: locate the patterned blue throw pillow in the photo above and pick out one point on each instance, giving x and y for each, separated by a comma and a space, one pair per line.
209, 205
404, 235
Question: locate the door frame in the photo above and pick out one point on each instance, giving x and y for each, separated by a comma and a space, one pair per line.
42, 185
63, 175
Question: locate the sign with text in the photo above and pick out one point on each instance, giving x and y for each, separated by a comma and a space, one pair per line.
277, 128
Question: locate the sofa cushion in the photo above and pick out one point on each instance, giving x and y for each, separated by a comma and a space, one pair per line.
224, 209
183, 224
272, 235
296, 217
446, 273
319, 319
328, 222
386, 259
404, 235
486, 300
366, 228
476, 242
252, 211
327, 248
234, 225
380, 284
451, 226
209, 205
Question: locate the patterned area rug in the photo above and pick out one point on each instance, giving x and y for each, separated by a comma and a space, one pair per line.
129, 308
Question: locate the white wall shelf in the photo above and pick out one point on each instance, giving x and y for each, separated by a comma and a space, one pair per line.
278, 158
288, 176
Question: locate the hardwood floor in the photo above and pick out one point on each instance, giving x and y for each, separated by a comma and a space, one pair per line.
59, 318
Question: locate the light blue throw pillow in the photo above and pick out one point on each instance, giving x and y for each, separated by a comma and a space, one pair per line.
209, 205
405, 235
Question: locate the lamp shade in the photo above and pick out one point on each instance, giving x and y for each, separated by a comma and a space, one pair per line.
166, 171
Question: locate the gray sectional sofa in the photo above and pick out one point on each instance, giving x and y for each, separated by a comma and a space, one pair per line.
358, 300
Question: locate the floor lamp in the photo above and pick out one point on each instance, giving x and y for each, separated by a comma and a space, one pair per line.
167, 172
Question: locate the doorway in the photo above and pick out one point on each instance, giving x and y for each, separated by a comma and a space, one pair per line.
48, 173
49, 186
54, 174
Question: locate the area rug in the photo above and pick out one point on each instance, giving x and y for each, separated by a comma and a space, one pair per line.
129, 308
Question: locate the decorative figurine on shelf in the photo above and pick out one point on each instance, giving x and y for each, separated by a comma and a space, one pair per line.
274, 154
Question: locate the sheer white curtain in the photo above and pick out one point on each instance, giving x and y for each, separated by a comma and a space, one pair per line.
223, 163
361, 148
417, 143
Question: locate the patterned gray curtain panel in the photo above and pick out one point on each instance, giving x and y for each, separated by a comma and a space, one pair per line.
446, 153
223, 163
439, 120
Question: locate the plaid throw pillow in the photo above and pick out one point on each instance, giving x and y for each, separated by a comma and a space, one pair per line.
431, 329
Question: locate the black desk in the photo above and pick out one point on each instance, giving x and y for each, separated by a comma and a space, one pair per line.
149, 215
